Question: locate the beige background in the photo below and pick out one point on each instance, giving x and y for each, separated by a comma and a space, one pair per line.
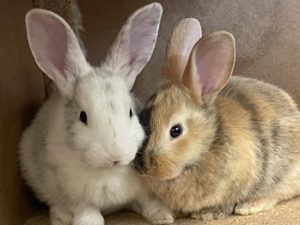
21, 91
268, 47
267, 34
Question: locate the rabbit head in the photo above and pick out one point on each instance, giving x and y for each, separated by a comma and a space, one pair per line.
99, 116
180, 118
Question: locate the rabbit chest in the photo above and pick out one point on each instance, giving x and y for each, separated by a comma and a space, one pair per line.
107, 188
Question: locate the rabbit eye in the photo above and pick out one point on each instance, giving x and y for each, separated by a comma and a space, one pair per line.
176, 131
130, 113
83, 117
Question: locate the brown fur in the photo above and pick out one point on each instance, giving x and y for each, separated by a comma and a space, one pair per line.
239, 151
179, 48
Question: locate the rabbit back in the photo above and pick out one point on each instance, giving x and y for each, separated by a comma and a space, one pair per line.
274, 121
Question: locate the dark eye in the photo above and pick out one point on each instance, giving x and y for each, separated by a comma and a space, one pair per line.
130, 113
176, 131
83, 117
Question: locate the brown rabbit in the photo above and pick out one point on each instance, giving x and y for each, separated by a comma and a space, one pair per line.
218, 144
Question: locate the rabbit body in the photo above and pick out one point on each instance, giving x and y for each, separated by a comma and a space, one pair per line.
253, 158
59, 174
76, 180
76, 154
219, 144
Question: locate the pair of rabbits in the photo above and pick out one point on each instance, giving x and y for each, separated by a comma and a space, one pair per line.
209, 144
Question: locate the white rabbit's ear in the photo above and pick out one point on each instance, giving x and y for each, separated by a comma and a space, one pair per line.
210, 65
184, 37
55, 48
135, 42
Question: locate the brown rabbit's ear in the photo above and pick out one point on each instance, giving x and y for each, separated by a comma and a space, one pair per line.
184, 36
210, 65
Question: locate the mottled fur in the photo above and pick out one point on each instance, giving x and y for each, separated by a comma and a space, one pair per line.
240, 147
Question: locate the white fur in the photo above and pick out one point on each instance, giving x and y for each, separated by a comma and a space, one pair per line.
69, 164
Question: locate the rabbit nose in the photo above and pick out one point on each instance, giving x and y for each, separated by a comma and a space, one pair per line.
116, 162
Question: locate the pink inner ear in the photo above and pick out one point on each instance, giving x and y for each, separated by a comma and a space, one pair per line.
134, 44
212, 63
143, 34
207, 71
50, 43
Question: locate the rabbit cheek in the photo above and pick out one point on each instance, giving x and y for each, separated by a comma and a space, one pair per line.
146, 163
94, 157
163, 167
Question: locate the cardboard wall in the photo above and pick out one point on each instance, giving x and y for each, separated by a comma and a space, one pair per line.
21, 92
267, 35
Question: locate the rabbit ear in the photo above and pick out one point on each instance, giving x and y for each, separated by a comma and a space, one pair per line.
183, 38
55, 48
135, 43
210, 65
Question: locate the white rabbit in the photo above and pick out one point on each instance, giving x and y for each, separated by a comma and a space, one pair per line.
76, 153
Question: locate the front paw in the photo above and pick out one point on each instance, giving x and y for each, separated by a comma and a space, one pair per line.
212, 213
88, 216
60, 216
160, 215
254, 206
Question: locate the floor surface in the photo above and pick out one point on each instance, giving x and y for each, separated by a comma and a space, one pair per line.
287, 213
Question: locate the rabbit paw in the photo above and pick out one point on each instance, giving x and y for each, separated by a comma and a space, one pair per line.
59, 216
254, 206
212, 213
160, 215
88, 216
